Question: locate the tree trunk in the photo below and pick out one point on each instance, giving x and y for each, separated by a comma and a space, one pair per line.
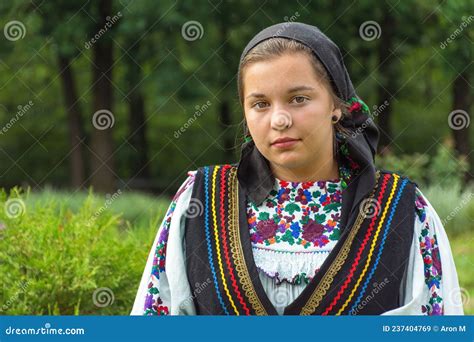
388, 76
461, 102
102, 165
138, 158
76, 130
224, 112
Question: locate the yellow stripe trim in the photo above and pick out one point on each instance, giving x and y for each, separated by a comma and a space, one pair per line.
372, 246
216, 236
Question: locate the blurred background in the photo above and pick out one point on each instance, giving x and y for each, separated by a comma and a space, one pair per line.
106, 104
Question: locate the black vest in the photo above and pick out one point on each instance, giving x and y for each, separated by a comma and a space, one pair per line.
362, 275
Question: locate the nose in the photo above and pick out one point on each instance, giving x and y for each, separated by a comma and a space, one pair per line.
281, 119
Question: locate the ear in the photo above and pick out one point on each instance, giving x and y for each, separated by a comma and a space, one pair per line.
337, 112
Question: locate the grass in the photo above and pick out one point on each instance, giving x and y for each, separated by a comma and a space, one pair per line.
463, 253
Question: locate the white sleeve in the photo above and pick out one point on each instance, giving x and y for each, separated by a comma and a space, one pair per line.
164, 288
432, 286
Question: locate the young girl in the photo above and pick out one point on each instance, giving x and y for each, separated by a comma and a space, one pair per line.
304, 223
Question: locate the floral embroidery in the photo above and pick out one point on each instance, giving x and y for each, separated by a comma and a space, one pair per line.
297, 213
357, 104
431, 260
153, 302
296, 226
348, 165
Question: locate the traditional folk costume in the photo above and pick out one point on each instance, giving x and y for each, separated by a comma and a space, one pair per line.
238, 241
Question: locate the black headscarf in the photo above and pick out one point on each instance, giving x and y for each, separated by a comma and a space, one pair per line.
254, 173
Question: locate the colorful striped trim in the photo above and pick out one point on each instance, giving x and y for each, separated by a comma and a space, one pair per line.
224, 239
372, 246
208, 239
379, 254
216, 238
227, 244
361, 249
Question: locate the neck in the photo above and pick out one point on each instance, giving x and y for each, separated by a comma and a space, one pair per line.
318, 172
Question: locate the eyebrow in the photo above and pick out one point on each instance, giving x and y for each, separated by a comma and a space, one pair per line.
299, 88
290, 91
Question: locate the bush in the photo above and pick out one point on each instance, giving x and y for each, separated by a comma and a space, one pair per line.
443, 168
454, 207
57, 261
412, 166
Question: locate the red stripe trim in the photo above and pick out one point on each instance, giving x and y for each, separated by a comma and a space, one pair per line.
224, 239
361, 249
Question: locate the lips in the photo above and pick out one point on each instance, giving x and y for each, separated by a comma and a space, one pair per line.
285, 142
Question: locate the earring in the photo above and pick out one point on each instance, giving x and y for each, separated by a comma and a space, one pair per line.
335, 119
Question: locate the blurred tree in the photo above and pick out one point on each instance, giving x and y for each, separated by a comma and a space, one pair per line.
65, 24
161, 79
139, 20
457, 54
102, 155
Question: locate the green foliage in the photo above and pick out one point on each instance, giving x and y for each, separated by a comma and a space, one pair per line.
446, 168
176, 75
454, 205
53, 259
410, 165
443, 169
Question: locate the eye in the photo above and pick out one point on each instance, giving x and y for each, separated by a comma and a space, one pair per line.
260, 104
299, 99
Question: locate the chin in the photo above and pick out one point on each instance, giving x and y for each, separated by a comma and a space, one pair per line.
290, 161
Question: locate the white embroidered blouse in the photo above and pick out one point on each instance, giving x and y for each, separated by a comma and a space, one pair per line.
292, 232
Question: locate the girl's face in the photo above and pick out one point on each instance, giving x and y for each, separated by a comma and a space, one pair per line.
285, 101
